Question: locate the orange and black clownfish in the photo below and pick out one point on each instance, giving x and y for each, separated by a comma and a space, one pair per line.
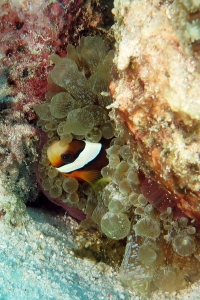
80, 159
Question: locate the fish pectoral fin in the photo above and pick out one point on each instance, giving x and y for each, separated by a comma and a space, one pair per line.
91, 176
100, 184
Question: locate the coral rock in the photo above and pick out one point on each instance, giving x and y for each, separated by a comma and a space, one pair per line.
157, 96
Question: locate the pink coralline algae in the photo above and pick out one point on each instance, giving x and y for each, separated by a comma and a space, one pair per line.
28, 35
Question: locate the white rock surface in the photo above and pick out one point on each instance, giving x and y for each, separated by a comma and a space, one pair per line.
36, 262
145, 34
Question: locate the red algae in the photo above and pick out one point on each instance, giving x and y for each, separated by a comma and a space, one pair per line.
28, 37
159, 198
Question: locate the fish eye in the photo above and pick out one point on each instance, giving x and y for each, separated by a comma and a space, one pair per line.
67, 158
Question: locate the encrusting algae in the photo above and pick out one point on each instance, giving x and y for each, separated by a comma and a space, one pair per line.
76, 112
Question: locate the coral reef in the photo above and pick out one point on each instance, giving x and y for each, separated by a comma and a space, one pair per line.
185, 19
149, 187
17, 156
29, 33
167, 136
77, 108
157, 97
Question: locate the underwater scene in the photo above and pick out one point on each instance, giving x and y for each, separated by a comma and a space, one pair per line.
99, 149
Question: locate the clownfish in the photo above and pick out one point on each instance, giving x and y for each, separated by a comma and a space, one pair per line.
80, 159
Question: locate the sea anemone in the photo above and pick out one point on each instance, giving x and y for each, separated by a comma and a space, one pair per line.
125, 202
77, 97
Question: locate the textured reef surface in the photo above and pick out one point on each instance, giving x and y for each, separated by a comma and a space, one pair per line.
157, 97
63, 83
